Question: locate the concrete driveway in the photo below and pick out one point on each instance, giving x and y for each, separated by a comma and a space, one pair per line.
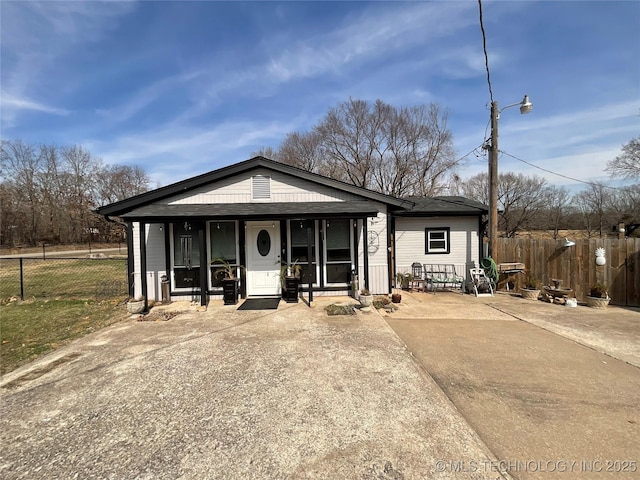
226, 394
549, 405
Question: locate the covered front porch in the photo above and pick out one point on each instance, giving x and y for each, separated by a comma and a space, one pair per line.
189, 246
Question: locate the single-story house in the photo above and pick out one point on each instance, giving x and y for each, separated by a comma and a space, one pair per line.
259, 213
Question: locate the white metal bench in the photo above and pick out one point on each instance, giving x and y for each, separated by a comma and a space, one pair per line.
441, 275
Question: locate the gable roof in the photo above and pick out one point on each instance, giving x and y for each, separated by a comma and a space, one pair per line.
441, 206
129, 204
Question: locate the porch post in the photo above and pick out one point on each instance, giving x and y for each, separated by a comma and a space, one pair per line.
130, 259
355, 244
203, 265
365, 248
167, 252
242, 239
390, 250
310, 263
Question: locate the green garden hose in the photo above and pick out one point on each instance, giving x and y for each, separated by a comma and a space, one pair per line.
490, 269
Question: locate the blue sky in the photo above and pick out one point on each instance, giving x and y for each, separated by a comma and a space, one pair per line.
182, 88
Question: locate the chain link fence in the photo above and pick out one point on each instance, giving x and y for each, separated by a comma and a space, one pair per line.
67, 278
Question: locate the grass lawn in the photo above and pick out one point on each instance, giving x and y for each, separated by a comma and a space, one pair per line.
63, 278
33, 328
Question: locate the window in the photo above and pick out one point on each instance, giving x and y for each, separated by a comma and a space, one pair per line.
223, 245
437, 240
299, 248
338, 249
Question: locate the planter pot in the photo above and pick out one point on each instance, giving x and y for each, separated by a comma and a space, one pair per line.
529, 294
230, 291
396, 297
366, 300
135, 306
290, 290
597, 302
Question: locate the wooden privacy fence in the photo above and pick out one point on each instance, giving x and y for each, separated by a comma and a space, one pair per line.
576, 265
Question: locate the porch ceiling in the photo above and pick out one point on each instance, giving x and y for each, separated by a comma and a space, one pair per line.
232, 211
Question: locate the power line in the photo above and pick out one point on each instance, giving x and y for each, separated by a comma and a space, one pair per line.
484, 46
593, 184
467, 154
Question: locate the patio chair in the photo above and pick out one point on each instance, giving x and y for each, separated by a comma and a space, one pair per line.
417, 283
482, 285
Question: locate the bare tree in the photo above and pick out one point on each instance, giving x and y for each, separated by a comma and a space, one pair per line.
623, 205
118, 182
396, 151
48, 193
520, 198
627, 164
346, 133
557, 204
266, 152
21, 165
303, 150
592, 203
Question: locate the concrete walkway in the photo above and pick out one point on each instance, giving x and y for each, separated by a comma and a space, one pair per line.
547, 406
280, 394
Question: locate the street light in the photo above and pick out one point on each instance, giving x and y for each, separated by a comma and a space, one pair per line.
525, 107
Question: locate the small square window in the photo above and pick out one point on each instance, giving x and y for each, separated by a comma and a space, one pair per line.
437, 240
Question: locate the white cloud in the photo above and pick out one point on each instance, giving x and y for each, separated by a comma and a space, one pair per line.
147, 96
11, 106
187, 151
60, 26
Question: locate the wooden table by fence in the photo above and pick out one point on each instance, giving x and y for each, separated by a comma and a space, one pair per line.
509, 269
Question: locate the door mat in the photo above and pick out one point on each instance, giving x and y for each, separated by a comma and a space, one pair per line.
260, 304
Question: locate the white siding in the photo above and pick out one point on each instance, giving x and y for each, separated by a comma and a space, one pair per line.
410, 242
284, 188
377, 248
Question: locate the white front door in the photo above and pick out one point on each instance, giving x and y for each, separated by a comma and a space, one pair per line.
263, 258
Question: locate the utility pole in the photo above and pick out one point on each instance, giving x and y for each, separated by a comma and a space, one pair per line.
525, 107
493, 181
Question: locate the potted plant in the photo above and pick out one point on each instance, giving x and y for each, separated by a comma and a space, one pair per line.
396, 297
135, 305
531, 288
598, 296
366, 299
404, 279
228, 273
290, 281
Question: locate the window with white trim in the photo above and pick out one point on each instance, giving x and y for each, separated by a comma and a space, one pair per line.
437, 240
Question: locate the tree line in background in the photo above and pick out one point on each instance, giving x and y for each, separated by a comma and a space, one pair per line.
527, 202
48, 193
409, 151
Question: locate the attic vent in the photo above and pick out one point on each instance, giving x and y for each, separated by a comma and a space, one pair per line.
261, 187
